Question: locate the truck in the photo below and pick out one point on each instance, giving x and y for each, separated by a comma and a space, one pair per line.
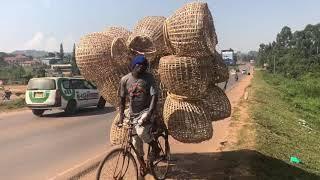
229, 57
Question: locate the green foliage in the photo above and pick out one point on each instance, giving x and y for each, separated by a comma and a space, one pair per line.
61, 54
287, 115
75, 69
293, 54
13, 104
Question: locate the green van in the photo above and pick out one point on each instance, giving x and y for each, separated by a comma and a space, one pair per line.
66, 93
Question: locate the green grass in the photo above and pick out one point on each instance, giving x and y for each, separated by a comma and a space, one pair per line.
13, 104
278, 106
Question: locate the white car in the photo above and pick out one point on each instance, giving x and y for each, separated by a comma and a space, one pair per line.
243, 71
68, 94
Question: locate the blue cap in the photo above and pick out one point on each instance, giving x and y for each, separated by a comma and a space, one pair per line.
140, 59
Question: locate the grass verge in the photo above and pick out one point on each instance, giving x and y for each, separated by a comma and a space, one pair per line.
287, 122
13, 104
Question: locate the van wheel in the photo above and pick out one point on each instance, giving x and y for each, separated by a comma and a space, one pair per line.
101, 103
38, 112
71, 107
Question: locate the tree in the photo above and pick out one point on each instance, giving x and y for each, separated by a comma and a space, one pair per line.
284, 38
61, 52
75, 69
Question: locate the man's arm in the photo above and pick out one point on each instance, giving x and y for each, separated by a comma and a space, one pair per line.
122, 100
153, 104
121, 109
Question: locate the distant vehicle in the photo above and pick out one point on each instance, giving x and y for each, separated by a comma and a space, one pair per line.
66, 93
243, 71
229, 57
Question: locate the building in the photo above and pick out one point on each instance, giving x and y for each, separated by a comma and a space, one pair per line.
33, 63
50, 60
18, 59
60, 70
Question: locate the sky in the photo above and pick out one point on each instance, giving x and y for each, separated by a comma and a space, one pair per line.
240, 24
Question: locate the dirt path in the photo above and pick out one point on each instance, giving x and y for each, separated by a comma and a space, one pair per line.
219, 157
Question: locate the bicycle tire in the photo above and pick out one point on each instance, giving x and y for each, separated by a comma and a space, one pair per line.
127, 170
165, 159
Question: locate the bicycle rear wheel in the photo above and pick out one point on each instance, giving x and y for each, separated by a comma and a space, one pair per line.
118, 165
159, 167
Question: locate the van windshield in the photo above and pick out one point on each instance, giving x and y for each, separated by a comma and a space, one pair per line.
41, 84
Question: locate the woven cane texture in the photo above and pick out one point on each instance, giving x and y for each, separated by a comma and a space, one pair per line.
185, 76
217, 104
94, 55
162, 91
148, 36
190, 31
117, 32
186, 119
118, 135
219, 69
96, 63
108, 86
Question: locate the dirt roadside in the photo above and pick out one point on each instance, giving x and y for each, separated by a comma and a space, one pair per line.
226, 155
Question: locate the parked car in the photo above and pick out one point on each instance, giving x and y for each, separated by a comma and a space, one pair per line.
66, 93
243, 71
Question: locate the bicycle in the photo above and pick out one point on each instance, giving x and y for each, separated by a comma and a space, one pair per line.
120, 164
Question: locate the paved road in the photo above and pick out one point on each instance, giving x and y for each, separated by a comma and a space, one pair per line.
40, 148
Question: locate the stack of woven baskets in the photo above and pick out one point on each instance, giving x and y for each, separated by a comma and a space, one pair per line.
190, 75
183, 59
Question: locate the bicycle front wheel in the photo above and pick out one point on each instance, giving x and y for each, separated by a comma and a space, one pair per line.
118, 165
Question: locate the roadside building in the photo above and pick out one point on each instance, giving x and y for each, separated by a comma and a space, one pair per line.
59, 70
17, 59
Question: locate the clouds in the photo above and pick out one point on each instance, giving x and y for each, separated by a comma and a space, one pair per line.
42, 41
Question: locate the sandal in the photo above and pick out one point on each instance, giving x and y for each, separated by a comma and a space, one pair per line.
143, 171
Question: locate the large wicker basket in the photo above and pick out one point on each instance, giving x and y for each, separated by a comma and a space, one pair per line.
185, 76
217, 104
117, 32
219, 69
98, 55
147, 36
190, 31
118, 135
186, 119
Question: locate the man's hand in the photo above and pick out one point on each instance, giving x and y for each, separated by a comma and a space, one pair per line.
145, 118
120, 122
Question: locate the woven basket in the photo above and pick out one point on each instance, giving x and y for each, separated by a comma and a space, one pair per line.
117, 32
118, 135
108, 86
219, 69
99, 55
185, 76
104, 60
147, 36
217, 104
186, 120
190, 31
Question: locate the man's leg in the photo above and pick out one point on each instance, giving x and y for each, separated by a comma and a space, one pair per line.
144, 132
138, 145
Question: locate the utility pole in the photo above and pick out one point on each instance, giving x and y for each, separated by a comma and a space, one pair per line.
274, 64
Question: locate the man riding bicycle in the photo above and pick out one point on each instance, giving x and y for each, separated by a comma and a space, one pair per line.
139, 86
